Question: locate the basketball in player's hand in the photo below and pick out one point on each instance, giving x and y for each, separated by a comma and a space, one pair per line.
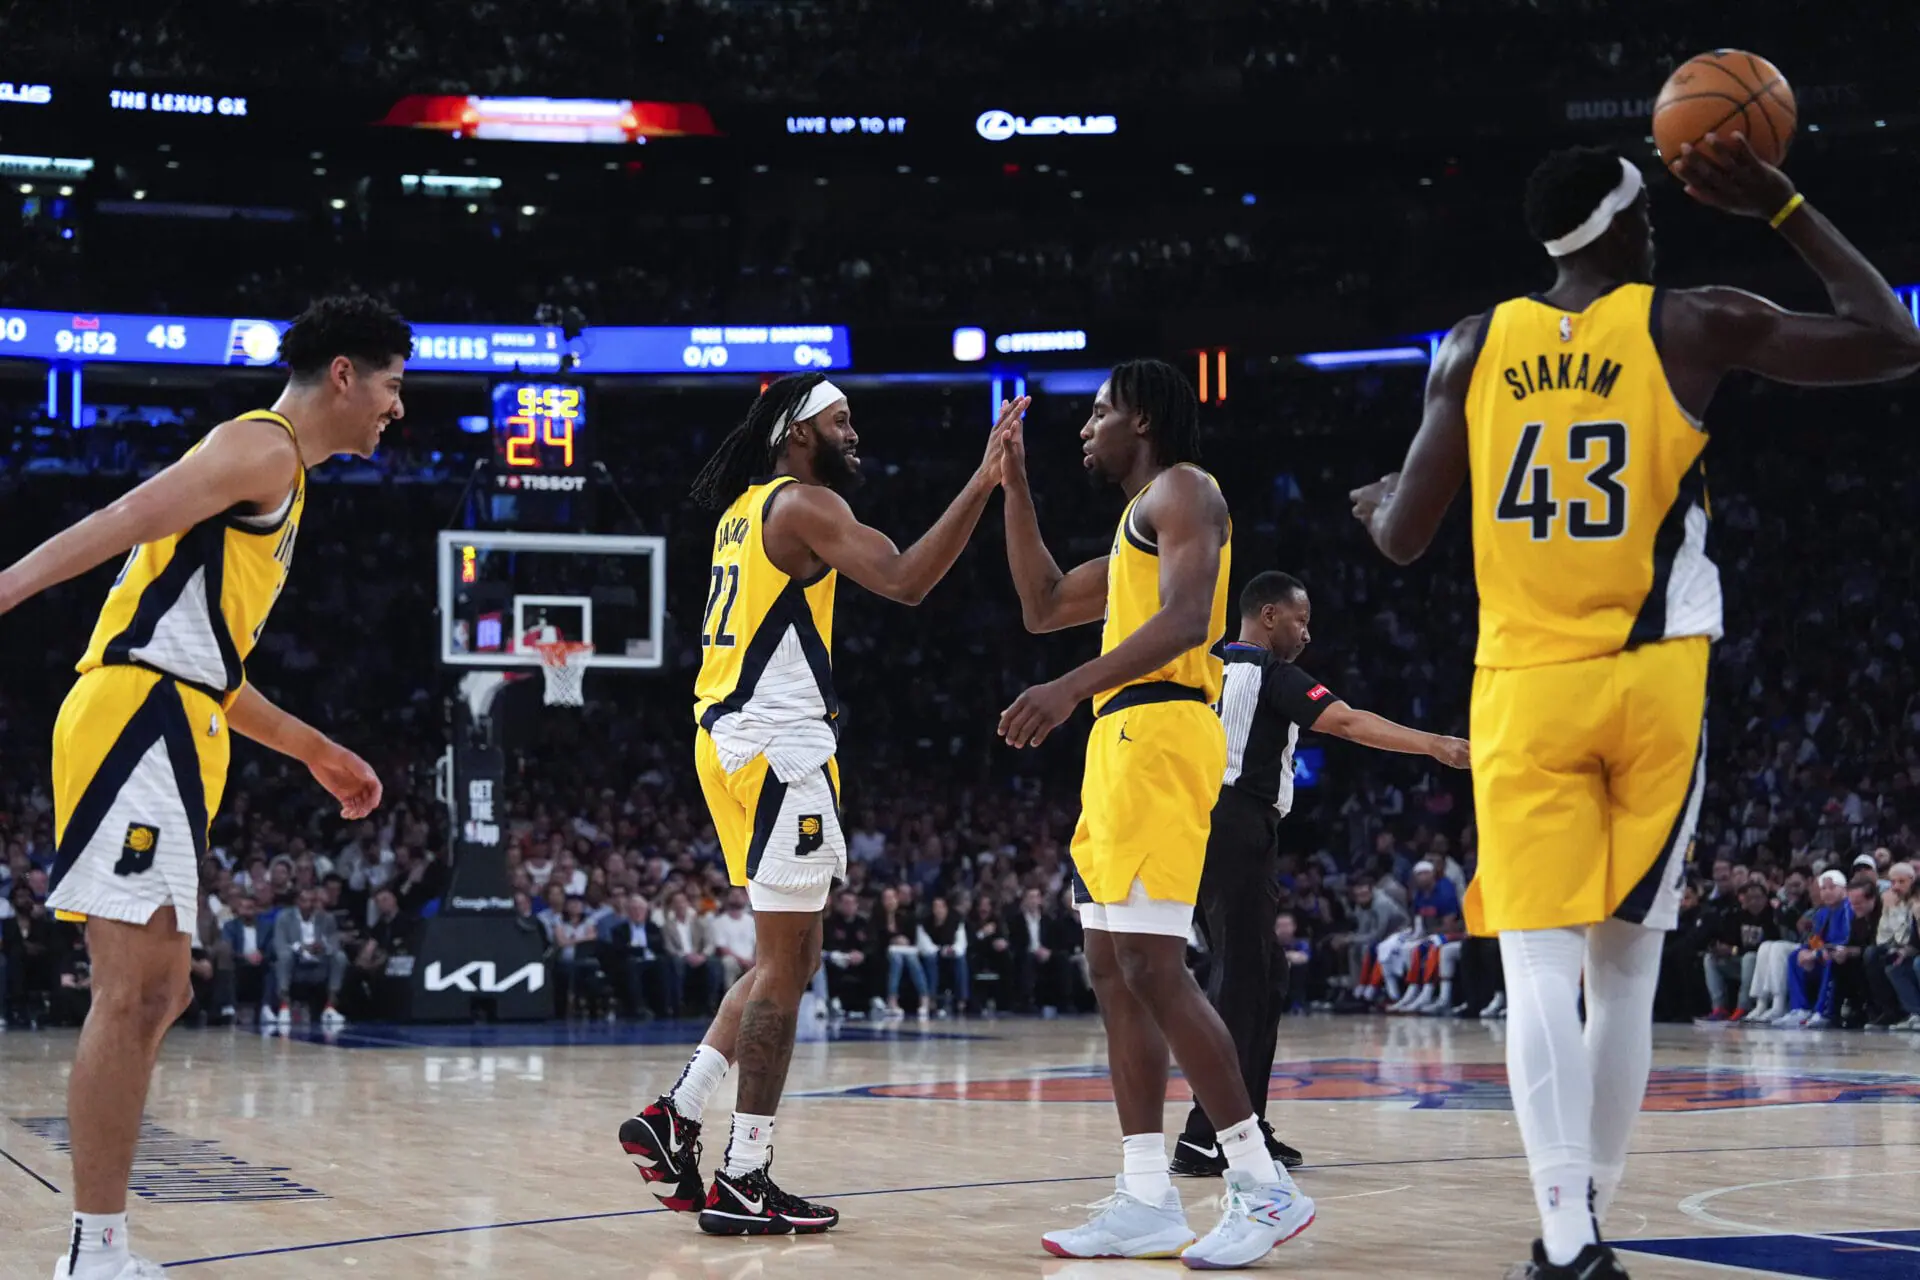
1725, 92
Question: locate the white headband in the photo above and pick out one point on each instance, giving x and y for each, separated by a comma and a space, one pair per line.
823, 394
1601, 218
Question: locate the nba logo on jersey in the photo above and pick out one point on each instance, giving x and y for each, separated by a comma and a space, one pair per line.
1566, 328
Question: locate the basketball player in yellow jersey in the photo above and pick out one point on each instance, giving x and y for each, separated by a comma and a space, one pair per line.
765, 757
1579, 414
140, 747
1155, 760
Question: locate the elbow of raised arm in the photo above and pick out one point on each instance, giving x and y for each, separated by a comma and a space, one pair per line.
1397, 545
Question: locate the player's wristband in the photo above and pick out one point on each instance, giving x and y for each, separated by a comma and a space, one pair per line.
1786, 210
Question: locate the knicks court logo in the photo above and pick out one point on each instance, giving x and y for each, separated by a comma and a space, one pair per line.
1438, 1086
136, 854
813, 834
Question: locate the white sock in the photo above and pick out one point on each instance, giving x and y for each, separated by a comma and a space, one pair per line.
1144, 1157
97, 1245
751, 1144
1551, 1081
1446, 993
704, 1072
1623, 968
1245, 1147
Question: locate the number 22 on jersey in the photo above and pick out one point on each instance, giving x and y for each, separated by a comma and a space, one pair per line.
726, 589
1596, 510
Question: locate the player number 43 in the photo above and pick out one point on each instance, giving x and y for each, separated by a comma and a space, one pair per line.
1528, 497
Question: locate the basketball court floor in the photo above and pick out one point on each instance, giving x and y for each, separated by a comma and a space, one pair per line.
455, 1151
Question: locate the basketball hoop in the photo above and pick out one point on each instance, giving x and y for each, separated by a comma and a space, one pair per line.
564, 665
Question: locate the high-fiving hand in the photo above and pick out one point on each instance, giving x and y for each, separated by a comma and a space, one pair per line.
993, 466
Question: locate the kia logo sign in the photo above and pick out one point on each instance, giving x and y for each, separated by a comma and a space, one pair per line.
534, 976
998, 126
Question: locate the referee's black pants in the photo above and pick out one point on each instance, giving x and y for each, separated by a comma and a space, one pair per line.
1239, 902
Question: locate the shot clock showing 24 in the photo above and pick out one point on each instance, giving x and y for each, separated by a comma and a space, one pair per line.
539, 436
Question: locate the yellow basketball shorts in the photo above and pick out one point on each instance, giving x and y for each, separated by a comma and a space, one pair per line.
1587, 781
1153, 775
783, 841
139, 767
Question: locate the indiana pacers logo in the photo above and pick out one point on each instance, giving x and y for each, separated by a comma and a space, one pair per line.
813, 834
136, 853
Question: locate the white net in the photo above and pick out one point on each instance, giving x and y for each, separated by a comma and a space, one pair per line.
564, 665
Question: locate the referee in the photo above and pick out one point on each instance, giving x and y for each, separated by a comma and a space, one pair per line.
1265, 703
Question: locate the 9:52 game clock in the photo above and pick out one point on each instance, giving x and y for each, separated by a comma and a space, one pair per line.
539, 436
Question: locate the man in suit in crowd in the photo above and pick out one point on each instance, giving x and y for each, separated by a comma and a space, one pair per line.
635, 958
306, 948
252, 947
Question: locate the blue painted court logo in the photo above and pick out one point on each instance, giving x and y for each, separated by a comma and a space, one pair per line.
1432, 1086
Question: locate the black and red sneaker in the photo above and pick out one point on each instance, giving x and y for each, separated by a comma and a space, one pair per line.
665, 1147
751, 1205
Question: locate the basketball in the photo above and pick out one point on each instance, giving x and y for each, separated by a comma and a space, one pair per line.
1724, 92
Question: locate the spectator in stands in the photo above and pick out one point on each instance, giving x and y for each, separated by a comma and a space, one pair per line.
637, 961
74, 994
389, 934
1376, 917
573, 940
690, 967
896, 932
1681, 995
1810, 976
733, 938
990, 958
1851, 991
306, 952
1894, 948
30, 940
252, 948
942, 940
1735, 949
1425, 956
847, 948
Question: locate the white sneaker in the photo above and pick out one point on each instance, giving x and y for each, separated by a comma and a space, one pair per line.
1434, 1006
1496, 1007
1911, 1024
1254, 1219
1125, 1226
1759, 1015
136, 1268
1409, 998
1817, 1022
332, 1020
1793, 1018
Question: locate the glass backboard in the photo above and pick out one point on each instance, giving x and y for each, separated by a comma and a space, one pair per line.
502, 592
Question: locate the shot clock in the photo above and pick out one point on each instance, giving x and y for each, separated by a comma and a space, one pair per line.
539, 435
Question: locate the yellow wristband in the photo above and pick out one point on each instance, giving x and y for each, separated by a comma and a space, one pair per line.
1786, 210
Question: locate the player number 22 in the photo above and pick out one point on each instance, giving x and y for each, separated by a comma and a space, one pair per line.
1528, 492
727, 578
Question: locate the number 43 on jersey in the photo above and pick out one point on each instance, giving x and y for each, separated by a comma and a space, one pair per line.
1596, 512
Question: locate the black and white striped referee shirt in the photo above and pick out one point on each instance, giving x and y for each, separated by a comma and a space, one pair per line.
1264, 704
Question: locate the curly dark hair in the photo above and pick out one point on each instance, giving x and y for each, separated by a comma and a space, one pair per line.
1159, 393
365, 330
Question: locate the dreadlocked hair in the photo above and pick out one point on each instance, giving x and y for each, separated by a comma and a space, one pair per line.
1157, 392
748, 450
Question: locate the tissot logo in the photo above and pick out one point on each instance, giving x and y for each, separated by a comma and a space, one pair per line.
478, 976
998, 126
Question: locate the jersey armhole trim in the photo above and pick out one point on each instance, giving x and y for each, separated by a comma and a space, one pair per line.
1654, 313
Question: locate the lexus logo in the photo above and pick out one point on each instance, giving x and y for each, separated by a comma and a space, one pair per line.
998, 126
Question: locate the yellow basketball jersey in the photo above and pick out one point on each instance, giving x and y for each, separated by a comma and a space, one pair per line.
1589, 486
191, 605
766, 644
1133, 596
